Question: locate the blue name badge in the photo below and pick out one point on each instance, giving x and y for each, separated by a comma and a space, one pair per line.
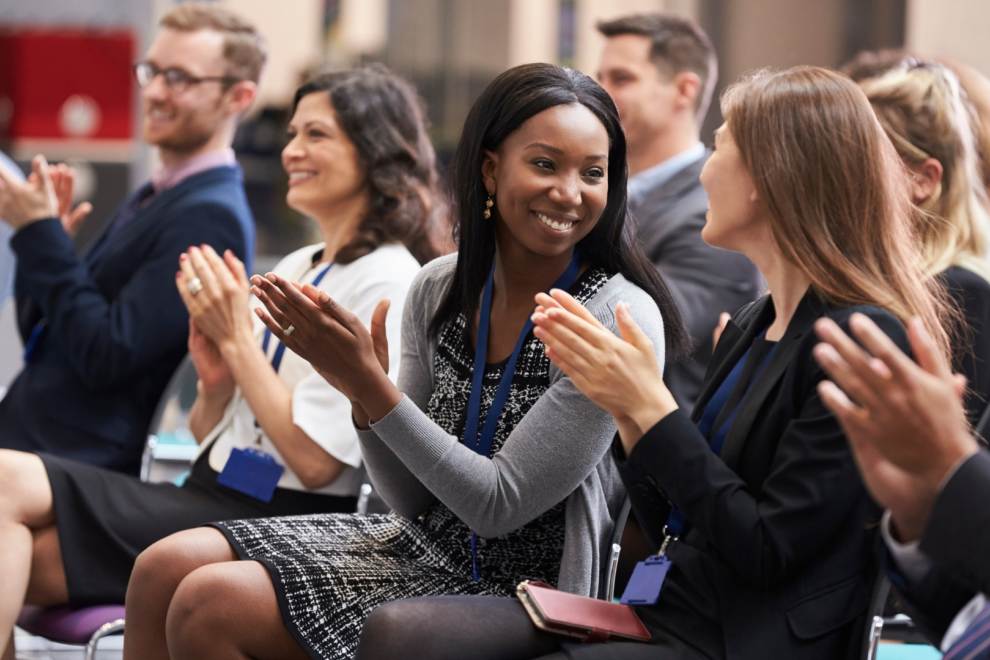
251, 472
646, 581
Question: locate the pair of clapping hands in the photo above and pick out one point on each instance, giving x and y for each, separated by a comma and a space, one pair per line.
46, 193
216, 290
907, 428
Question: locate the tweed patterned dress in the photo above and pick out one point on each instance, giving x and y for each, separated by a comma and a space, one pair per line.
330, 571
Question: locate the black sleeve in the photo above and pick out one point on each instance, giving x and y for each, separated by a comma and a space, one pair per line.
107, 341
957, 537
765, 537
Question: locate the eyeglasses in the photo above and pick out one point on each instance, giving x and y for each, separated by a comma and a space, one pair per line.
176, 79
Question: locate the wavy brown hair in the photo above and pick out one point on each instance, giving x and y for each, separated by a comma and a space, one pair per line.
382, 116
836, 192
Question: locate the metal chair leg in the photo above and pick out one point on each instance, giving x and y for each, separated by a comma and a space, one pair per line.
876, 630
106, 629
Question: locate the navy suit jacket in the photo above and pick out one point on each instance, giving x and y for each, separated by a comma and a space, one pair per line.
115, 326
780, 546
957, 541
704, 280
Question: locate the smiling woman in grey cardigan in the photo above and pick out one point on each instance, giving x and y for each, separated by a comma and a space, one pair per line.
556, 452
540, 180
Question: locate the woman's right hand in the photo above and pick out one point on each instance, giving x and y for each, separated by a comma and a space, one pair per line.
619, 374
333, 340
215, 377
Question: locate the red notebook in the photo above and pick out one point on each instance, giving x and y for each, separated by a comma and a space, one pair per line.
587, 619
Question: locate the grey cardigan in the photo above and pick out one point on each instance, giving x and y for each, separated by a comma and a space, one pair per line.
559, 450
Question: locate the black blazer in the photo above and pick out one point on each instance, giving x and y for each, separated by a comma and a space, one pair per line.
704, 280
971, 293
781, 527
116, 327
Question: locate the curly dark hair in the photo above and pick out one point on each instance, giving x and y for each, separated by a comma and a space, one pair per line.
384, 119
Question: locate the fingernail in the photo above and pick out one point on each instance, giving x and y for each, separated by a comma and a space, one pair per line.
183, 257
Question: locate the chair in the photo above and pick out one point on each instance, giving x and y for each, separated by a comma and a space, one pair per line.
90, 624
882, 626
615, 551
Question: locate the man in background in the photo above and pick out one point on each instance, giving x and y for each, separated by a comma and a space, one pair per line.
104, 332
660, 70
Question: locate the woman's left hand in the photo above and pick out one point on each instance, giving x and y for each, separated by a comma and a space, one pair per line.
332, 339
620, 375
216, 291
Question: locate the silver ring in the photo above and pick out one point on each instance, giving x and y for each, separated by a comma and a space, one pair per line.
289, 330
195, 286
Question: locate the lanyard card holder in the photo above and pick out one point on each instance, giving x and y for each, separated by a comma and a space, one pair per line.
648, 577
251, 472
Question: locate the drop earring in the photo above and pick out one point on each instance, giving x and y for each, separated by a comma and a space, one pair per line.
489, 203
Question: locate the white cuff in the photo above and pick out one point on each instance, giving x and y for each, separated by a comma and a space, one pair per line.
909, 558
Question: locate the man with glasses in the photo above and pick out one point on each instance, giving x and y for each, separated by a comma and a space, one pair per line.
103, 332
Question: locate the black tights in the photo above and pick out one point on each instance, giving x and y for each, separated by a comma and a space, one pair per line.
453, 628
485, 628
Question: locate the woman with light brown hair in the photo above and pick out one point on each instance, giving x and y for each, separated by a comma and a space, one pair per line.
924, 112
754, 501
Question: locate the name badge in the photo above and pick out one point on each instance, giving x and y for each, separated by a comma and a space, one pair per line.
646, 581
251, 472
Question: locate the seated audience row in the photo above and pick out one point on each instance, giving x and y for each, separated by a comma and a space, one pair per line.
530, 398
258, 404
754, 498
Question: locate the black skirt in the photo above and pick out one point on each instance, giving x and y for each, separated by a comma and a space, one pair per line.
105, 519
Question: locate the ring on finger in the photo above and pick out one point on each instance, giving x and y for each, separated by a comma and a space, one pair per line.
289, 330
194, 286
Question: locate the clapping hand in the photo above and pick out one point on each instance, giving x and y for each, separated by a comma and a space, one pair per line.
24, 202
215, 376
215, 291
905, 421
63, 183
332, 339
619, 374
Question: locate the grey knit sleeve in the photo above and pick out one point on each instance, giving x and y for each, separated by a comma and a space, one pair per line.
545, 458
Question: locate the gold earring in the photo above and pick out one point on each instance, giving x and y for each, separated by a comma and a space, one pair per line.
489, 203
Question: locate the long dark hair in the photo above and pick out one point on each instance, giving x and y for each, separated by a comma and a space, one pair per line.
383, 118
507, 102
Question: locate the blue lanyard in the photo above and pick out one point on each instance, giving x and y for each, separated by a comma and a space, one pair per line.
482, 443
280, 349
34, 339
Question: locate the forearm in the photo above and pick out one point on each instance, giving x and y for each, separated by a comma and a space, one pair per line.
105, 339
207, 411
398, 487
497, 495
957, 533
270, 400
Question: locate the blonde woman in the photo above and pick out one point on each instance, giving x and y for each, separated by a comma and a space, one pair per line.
923, 111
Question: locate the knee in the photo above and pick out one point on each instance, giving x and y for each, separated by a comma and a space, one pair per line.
18, 471
389, 630
202, 611
162, 566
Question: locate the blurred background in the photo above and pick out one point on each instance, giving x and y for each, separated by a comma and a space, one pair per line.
66, 88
